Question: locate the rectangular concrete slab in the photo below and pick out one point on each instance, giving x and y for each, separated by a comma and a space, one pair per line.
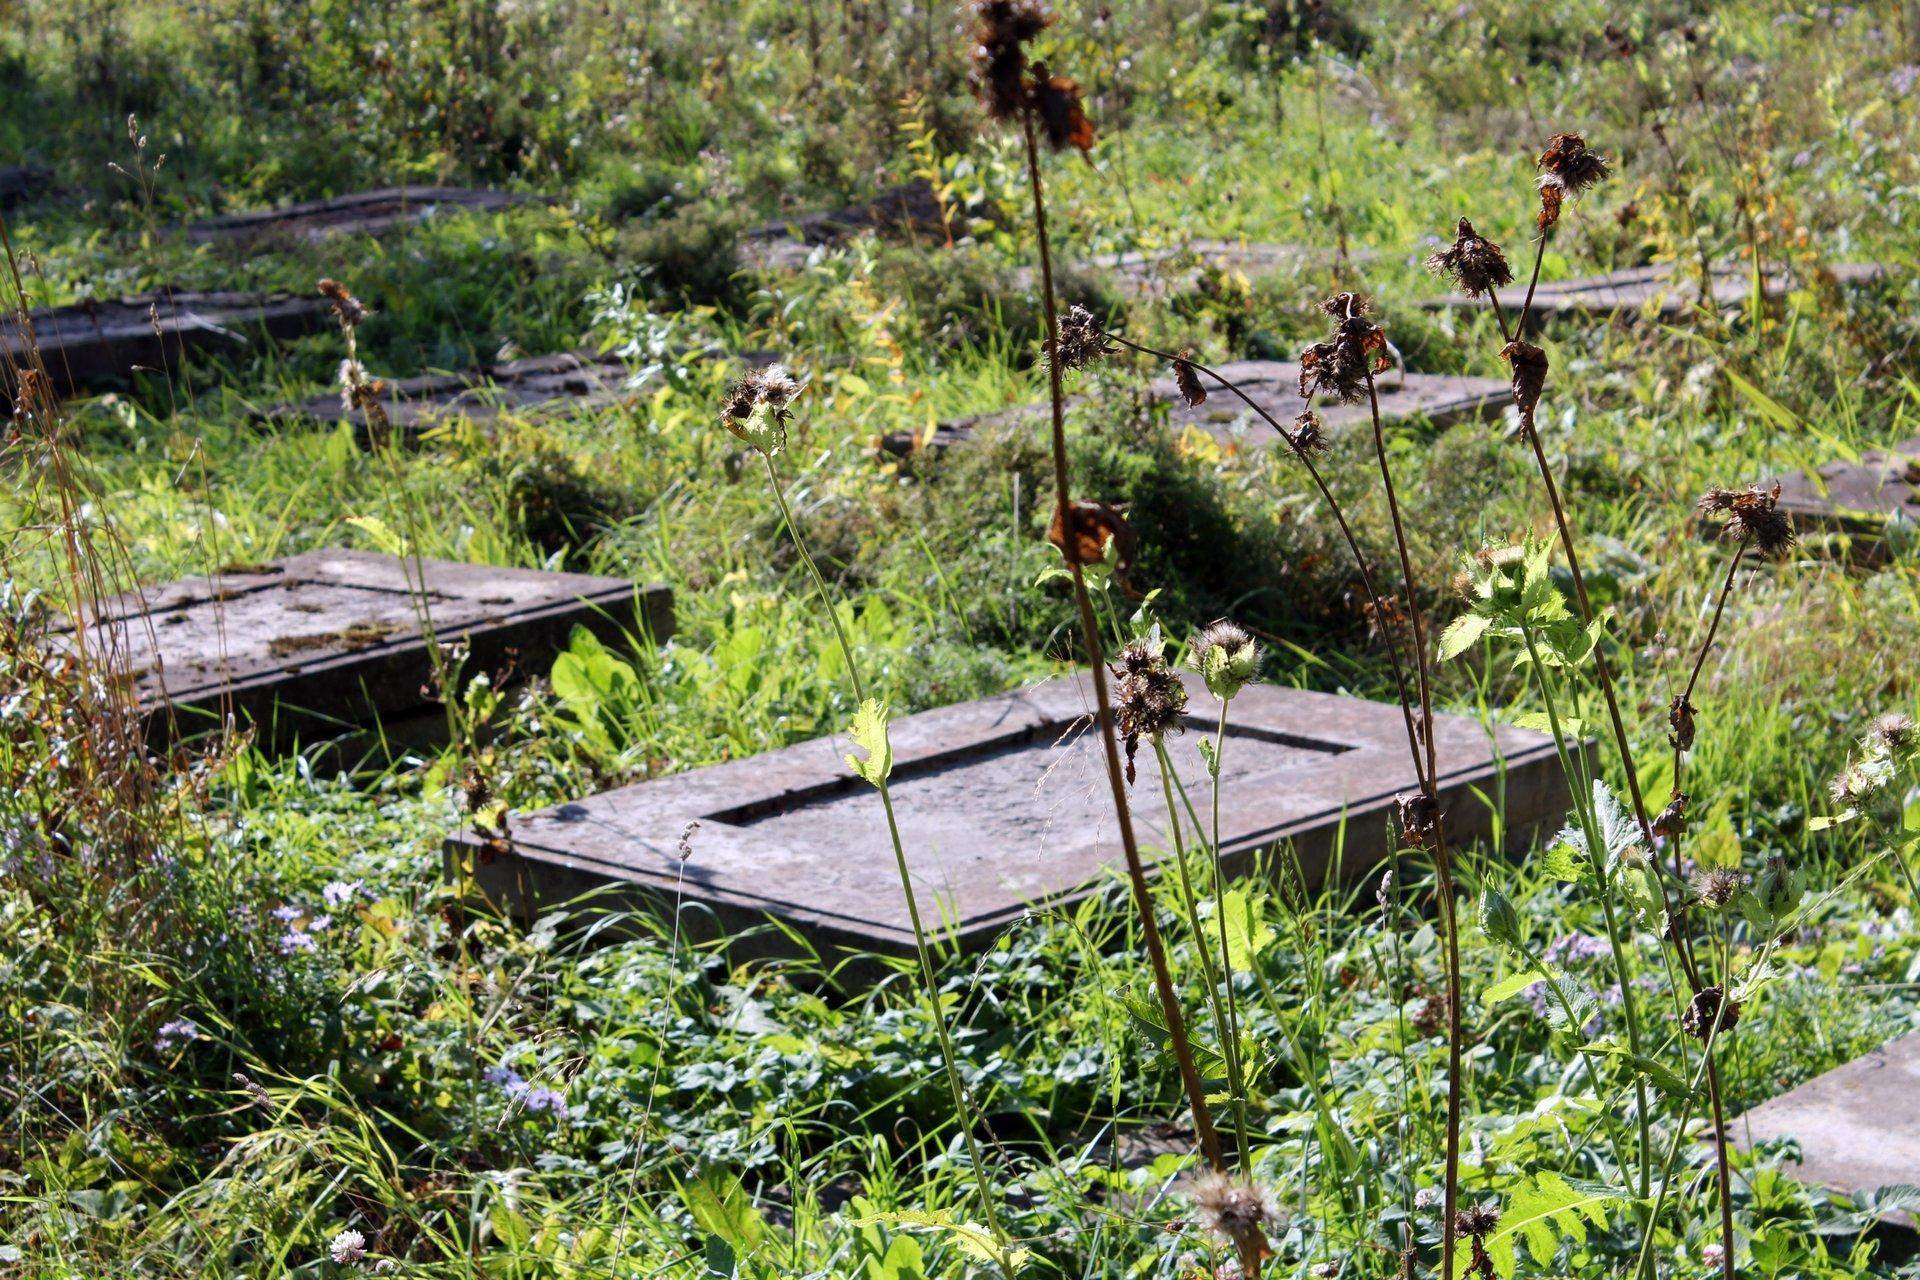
1665, 291
1858, 499
909, 209
99, 344
1858, 1126
1438, 400
1004, 805
362, 213
332, 639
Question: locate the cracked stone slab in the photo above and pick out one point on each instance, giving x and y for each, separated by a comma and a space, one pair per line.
1440, 400
332, 639
1664, 291
1003, 805
911, 208
363, 212
1862, 500
1857, 1126
98, 344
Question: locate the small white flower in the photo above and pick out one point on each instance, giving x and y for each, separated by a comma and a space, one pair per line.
348, 1248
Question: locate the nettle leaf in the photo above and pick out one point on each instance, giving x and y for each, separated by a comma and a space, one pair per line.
1640, 890
1584, 1006
869, 733
1617, 829
1500, 922
1462, 634
1543, 1210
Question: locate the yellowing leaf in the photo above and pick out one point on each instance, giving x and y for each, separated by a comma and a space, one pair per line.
869, 733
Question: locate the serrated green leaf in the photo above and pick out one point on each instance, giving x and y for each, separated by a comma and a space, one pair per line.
1461, 635
1510, 986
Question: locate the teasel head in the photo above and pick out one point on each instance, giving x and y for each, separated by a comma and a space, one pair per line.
1528, 364
1341, 367
1701, 1012
1752, 515
1718, 887
1191, 389
1568, 167
1149, 700
1473, 262
1082, 341
1226, 657
1238, 1212
1002, 29
1309, 433
757, 407
349, 310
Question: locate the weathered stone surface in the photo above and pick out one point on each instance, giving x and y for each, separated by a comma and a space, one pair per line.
1859, 499
21, 183
1192, 265
1438, 399
1858, 1126
1665, 291
911, 208
1003, 804
97, 345
328, 640
564, 381
363, 213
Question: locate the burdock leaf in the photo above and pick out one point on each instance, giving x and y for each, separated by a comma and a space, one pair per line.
869, 733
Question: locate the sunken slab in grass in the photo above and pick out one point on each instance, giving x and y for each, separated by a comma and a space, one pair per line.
1003, 805
1664, 291
1857, 1126
100, 344
1437, 399
1857, 504
565, 382
361, 213
911, 209
331, 640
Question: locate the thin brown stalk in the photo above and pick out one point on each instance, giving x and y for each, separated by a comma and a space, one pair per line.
1203, 1125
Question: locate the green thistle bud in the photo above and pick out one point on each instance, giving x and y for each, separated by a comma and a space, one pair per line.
1227, 658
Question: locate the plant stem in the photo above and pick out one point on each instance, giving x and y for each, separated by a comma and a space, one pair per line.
1203, 1126
929, 977
1236, 1079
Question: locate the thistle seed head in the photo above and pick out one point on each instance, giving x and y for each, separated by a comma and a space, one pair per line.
1149, 700
1341, 367
757, 407
1752, 514
1226, 657
349, 310
1568, 167
1239, 1213
1082, 341
1477, 1221
1894, 733
1309, 434
1473, 262
1056, 104
1002, 29
1719, 887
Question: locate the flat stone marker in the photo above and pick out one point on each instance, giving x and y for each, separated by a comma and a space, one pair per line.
1665, 290
1003, 805
1859, 499
96, 345
783, 244
1438, 399
567, 380
364, 212
331, 639
1858, 1126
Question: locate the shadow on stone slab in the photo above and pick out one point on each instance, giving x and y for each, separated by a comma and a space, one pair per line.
363, 213
1003, 809
331, 641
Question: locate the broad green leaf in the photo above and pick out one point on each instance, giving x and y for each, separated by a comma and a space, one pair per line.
1511, 985
1248, 933
1461, 634
869, 733
721, 1207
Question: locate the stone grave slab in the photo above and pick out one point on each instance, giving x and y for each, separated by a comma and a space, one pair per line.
1438, 399
911, 208
1858, 499
1187, 267
1003, 805
568, 380
328, 640
1664, 290
98, 344
363, 213
1858, 1126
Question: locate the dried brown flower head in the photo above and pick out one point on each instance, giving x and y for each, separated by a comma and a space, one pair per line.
1571, 166
1718, 887
1238, 1212
1342, 367
1477, 1221
349, 309
1082, 341
1894, 732
1309, 433
1149, 700
1056, 104
1672, 820
1680, 720
1001, 31
1473, 262
1083, 537
1753, 515
1698, 1019
1430, 1015
1529, 366
1419, 819
758, 406
1188, 381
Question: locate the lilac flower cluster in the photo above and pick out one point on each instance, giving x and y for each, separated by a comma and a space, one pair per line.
534, 1098
175, 1034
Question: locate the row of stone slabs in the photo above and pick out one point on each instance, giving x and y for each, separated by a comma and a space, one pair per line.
332, 640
